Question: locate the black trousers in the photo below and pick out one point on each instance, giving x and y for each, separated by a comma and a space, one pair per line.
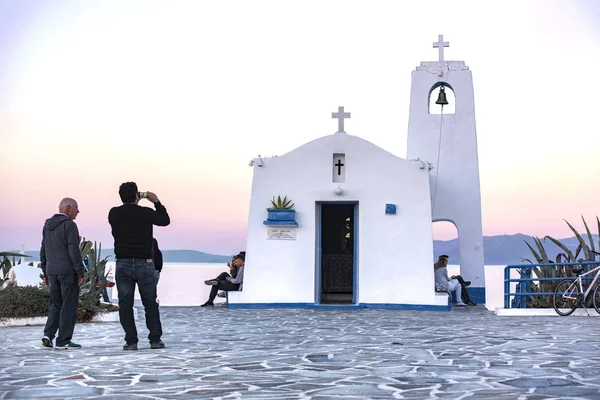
130, 272
224, 284
463, 289
64, 296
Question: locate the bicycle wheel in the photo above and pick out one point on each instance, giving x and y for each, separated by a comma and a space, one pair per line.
566, 297
596, 299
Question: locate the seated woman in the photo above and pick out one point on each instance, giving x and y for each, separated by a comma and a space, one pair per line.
225, 281
443, 281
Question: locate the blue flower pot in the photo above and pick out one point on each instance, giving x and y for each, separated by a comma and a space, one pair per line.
281, 215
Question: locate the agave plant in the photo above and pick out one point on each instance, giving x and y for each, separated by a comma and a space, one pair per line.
541, 257
94, 282
281, 204
567, 256
588, 250
5, 266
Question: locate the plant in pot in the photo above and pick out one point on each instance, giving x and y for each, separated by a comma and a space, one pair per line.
281, 209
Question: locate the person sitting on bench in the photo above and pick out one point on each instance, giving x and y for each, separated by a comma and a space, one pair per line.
225, 281
443, 281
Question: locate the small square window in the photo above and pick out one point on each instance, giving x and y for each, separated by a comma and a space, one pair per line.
390, 209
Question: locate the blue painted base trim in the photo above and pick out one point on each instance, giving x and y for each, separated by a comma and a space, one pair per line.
269, 222
359, 306
477, 294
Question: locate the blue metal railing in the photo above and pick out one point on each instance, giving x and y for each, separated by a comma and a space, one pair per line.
523, 293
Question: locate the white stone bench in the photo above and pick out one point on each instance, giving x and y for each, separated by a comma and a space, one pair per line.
442, 298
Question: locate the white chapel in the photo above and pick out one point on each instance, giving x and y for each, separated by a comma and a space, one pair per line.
359, 234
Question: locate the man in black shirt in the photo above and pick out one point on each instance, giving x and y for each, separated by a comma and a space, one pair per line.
132, 230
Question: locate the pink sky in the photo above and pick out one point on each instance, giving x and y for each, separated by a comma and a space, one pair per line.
179, 98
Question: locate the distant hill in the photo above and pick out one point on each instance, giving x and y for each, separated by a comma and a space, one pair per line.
188, 256
498, 250
506, 249
193, 256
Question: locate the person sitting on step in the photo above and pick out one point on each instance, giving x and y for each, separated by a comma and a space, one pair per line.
443, 281
225, 281
233, 270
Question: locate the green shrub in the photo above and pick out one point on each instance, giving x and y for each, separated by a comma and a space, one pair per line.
89, 307
24, 302
30, 301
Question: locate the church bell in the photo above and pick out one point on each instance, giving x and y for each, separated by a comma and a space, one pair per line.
441, 100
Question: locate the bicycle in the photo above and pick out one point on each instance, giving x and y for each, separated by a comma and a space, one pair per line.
569, 293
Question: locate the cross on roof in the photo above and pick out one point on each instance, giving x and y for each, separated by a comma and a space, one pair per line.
440, 44
340, 115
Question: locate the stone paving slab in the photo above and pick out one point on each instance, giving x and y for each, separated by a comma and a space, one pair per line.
219, 353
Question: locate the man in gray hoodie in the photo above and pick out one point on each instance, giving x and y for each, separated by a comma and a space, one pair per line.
63, 273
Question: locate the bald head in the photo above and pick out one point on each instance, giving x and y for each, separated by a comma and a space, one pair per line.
69, 207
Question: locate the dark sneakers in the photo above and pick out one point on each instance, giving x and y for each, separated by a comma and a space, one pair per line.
46, 342
157, 345
211, 282
68, 346
132, 346
208, 304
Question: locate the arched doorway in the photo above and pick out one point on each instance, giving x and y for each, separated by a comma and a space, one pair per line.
445, 241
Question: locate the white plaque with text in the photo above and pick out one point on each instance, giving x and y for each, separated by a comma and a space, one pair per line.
281, 233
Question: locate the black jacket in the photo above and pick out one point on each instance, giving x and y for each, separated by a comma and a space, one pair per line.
132, 229
60, 252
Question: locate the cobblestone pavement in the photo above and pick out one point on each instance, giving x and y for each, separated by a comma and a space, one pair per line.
220, 353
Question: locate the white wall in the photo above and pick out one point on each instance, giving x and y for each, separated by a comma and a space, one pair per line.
394, 251
182, 284
457, 198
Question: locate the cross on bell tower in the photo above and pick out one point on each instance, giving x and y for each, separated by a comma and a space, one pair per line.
340, 115
440, 44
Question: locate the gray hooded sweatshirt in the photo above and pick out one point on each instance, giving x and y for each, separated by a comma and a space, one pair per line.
60, 252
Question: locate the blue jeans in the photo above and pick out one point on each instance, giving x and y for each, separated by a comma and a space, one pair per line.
130, 271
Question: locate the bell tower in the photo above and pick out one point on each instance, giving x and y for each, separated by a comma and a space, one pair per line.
448, 142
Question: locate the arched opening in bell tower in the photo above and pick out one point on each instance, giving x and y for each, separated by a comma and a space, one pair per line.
442, 99
445, 241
